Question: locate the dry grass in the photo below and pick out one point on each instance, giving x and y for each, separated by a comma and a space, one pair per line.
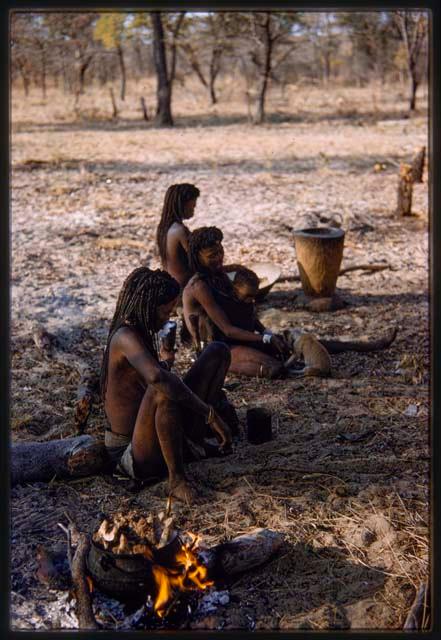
85, 202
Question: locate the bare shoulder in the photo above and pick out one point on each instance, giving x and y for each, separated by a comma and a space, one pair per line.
178, 231
196, 284
126, 336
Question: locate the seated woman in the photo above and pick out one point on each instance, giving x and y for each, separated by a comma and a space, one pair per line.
217, 309
255, 351
150, 410
172, 235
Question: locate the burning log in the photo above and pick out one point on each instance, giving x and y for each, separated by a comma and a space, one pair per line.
69, 458
47, 343
126, 561
84, 610
242, 553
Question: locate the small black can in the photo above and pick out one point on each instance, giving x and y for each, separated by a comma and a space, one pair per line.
259, 428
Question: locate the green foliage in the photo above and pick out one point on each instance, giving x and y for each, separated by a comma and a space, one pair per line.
110, 29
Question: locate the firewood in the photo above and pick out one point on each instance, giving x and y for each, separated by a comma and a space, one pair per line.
405, 185
418, 165
340, 346
241, 553
84, 610
417, 613
68, 458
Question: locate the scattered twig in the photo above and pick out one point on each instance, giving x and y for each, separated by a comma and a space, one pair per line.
417, 614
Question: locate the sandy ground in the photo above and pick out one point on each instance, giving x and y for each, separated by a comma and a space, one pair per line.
354, 512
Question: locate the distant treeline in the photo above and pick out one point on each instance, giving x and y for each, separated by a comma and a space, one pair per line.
74, 50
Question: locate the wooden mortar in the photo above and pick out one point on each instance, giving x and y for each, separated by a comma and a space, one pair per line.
319, 254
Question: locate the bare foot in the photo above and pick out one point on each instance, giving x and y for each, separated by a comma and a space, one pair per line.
182, 490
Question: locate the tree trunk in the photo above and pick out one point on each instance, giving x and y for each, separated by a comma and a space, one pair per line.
260, 117
214, 70
83, 68
43, 73
114, 107
68, 458
404, 196
418, 165
144, 109
123, 72
25, 80
163, 109
413, 90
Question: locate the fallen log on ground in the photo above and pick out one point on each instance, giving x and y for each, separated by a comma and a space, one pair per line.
356, 267
340, 346
67, 458
241, 553
88, 384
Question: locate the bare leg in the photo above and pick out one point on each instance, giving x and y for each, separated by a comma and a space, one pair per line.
157, 443
206, 378
251, 362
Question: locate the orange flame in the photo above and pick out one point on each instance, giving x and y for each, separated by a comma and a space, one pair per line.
187, 574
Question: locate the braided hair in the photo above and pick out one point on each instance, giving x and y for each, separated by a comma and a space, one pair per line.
204, 238
176, 197
141, 294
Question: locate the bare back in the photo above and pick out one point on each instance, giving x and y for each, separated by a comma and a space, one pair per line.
125, 386
177, 263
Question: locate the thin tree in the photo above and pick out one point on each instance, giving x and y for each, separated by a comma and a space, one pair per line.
412, 27
268, 32
110, 30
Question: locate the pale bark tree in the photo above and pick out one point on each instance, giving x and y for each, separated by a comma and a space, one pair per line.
412, 27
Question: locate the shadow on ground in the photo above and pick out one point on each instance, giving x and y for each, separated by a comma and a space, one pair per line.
345, 116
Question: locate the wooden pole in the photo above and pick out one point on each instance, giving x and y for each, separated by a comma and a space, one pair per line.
404, 196
418, 165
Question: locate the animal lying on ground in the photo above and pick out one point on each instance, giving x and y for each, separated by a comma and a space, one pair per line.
314, 354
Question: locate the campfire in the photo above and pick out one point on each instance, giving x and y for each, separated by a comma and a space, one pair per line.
132, 556
146, 562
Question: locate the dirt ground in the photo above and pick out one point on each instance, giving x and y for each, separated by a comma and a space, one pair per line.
346, 476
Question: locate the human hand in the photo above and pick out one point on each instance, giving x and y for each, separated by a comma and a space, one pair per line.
167, 355
279, 343
222, 432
